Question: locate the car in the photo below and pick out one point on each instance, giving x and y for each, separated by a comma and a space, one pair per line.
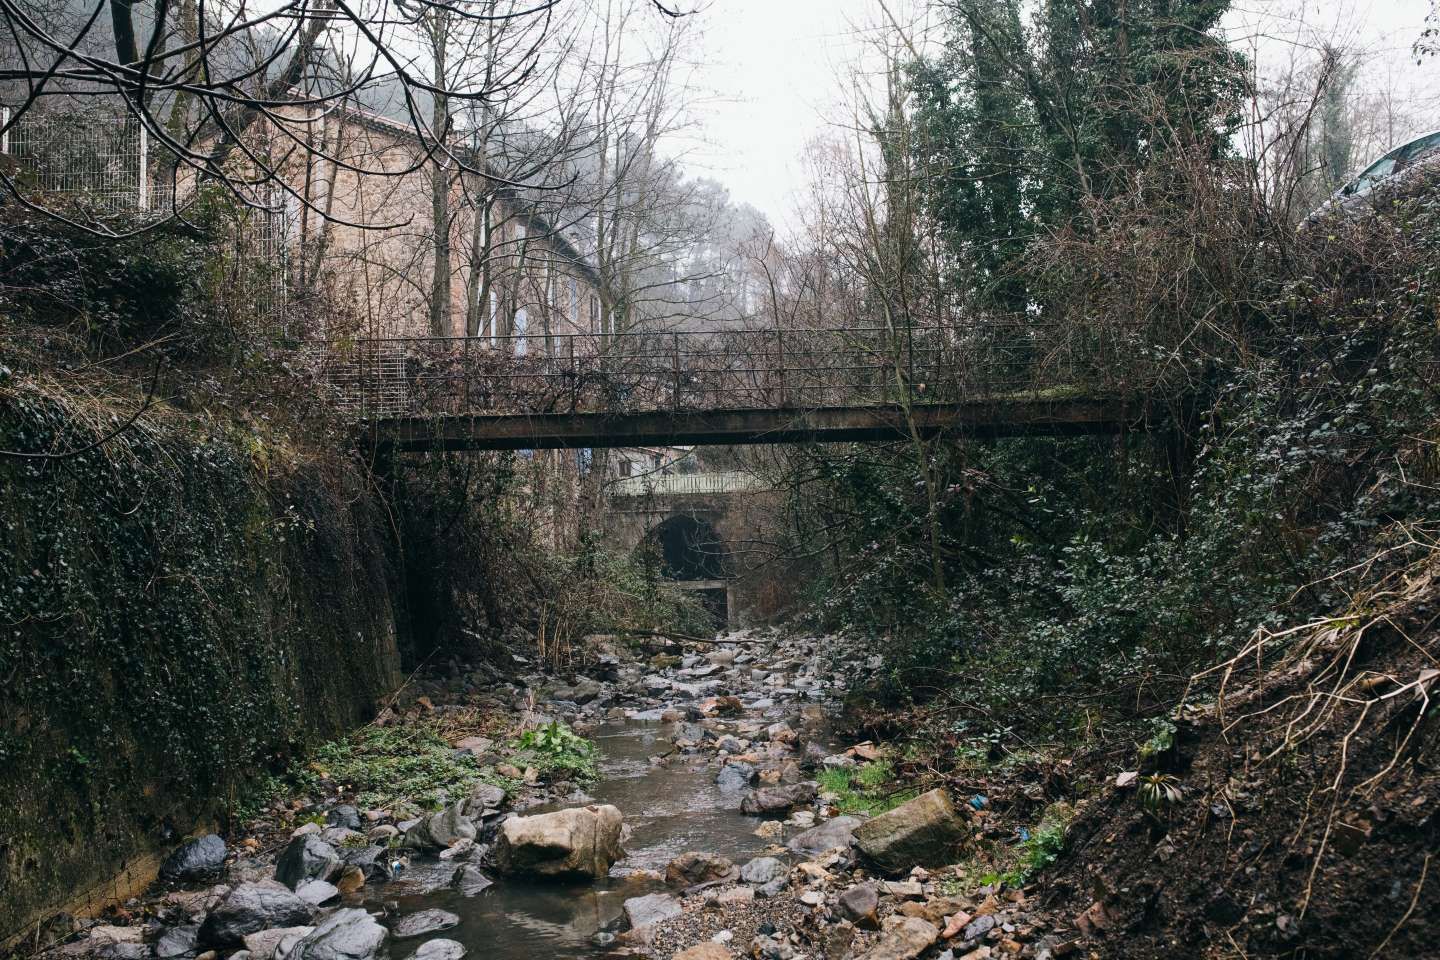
1402, 167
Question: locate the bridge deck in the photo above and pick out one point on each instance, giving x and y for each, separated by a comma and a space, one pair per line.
1000, 417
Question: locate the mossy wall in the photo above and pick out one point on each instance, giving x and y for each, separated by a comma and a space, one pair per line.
178, 607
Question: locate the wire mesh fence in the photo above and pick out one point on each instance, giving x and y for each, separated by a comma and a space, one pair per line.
101, 165
98, 161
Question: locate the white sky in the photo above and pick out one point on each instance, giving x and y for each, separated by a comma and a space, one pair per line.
780, 65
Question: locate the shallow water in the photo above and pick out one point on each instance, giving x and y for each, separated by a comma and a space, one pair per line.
668, 809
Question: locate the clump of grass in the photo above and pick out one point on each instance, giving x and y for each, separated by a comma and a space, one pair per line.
556, 752
868, 789
385, 765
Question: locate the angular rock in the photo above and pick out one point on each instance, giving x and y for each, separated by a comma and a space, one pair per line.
835, 833
251, 907
439, 949
349, 934
372, 861
351, 879
485, 796
177, 942
383, 833
579, 842
198, 859
763, 870
316, 892
652, 908
693, 868
442, 829
263, 944
734, 777
925, 831
709, 950
905, 941
423, 922
343, 816
306, 858
860, 905
470, 881
776, 801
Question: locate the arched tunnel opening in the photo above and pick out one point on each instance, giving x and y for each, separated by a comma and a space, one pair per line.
687, 549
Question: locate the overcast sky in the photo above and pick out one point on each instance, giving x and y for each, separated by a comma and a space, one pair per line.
775, 67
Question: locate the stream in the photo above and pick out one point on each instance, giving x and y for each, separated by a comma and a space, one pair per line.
669, 808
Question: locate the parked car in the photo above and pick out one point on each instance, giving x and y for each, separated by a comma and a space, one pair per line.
1393, 174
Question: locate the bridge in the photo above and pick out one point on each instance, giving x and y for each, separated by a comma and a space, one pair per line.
545, 391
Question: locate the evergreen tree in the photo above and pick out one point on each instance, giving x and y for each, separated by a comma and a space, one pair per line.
1021, 124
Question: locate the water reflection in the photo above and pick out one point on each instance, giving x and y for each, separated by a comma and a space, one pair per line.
669, 808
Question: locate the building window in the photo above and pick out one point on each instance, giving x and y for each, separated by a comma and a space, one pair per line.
494, 317
623, 468
584, 458
522, 320
574, 305
594, 314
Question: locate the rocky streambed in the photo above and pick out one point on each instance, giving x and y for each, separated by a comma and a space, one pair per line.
705, 835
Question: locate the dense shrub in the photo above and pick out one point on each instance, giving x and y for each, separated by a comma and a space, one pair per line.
1076, 587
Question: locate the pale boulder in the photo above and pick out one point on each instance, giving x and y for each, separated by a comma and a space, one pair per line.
580, 842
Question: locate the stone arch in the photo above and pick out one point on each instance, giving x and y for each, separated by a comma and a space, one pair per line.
687, 547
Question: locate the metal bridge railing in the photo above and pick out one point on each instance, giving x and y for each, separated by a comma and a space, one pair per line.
684, 484
697, 370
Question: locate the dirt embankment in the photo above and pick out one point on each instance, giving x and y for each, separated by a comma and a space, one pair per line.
1309, 810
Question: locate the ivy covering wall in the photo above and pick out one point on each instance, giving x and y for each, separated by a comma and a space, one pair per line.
178, 607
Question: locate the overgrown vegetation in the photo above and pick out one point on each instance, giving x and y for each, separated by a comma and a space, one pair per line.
557, 752
493, 574
1053, 611
867, 789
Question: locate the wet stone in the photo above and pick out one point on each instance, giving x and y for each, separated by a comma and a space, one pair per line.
423, 922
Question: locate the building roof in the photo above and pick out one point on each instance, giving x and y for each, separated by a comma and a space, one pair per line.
534, 222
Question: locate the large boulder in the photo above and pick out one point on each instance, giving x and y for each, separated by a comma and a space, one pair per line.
251, 907
349, 934
580, 842
776, 801
835, 832
924, 832
306, 858
198, 859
